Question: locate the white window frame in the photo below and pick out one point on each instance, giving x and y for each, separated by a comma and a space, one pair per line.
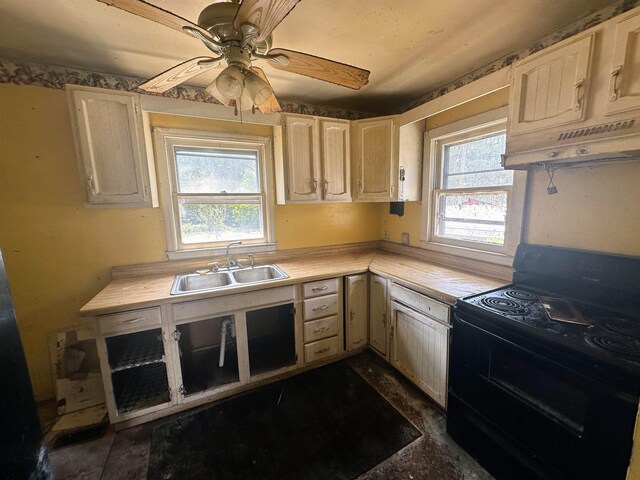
165, 142
486, 123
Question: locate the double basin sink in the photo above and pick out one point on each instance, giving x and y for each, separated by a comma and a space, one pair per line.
224, 279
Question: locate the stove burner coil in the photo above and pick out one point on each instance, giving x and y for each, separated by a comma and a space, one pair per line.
504, 305
520, 295
624, 326
626, 347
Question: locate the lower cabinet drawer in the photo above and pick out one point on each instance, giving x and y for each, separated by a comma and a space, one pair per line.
125, 321
320, 307
319, 329
321, 349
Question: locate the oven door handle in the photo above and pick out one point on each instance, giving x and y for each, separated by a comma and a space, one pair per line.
593, 385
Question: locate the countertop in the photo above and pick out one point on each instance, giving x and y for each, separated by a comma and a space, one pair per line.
440, 282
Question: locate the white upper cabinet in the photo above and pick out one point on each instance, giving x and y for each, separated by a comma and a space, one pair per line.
303, 159
110, 143
578, 100
550, 88
375, 173
317, 159
336, 165
624, 81
387, 165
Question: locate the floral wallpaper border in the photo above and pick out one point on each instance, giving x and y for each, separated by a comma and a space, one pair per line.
51, 76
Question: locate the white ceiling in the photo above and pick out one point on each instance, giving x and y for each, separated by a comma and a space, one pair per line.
411, 47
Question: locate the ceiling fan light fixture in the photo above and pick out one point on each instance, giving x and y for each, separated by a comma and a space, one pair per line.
259, 91
230, 82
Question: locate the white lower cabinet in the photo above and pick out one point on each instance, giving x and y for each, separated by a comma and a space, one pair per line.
356, 310
323, 320
378, 305
225, 342
135, 370
419, 340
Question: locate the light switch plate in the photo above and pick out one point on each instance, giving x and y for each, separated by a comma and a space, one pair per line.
404, 238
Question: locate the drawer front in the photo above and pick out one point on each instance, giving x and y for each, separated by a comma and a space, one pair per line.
321, 349
132, 320
430, 307
321, 307
321, 287
319, 329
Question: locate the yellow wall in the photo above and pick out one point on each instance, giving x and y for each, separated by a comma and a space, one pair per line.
596, 208
58, 253
394, 225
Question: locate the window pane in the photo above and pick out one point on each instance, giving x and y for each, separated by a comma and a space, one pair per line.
217, 170
472, 217
475, 163
215, 221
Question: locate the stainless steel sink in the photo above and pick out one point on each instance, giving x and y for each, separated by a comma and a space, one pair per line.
263, 273
225, 279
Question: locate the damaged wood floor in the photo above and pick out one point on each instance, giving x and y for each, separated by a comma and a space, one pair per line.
124, 455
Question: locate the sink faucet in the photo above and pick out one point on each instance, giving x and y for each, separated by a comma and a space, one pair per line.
230, 261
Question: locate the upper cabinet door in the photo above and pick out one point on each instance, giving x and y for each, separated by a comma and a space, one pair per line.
550, 88
302, 158
375, 160
335, 160
109, 135
624, 82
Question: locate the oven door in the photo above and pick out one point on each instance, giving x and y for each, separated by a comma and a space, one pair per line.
560, 416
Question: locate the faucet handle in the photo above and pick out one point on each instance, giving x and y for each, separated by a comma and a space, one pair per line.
215, 266
250, 258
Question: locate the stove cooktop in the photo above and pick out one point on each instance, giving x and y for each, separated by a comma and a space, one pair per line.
612, 336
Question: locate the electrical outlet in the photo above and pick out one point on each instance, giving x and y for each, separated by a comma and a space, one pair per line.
386, 236
404, 238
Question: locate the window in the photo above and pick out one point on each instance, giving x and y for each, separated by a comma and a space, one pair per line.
473, 206
214, 191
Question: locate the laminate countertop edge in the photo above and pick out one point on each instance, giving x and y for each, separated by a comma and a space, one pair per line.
439, 282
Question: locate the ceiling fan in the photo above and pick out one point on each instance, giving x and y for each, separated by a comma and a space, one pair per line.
238, 34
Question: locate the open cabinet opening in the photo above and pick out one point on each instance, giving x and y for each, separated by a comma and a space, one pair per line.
271, 338
138, 370
208, 354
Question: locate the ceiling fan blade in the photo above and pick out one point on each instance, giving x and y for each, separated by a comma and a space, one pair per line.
178, 74
153, 13
271, 105
264, 14
321, 68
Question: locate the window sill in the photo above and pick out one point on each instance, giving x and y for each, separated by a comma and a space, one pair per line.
472, 253
236, 250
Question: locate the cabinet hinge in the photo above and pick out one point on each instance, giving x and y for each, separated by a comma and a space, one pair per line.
170, 394
182, 390
176, 335
91, 184
360, 185
384, 319
296, 357
294, 310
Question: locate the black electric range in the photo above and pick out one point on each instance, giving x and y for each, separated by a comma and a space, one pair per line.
544, 374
